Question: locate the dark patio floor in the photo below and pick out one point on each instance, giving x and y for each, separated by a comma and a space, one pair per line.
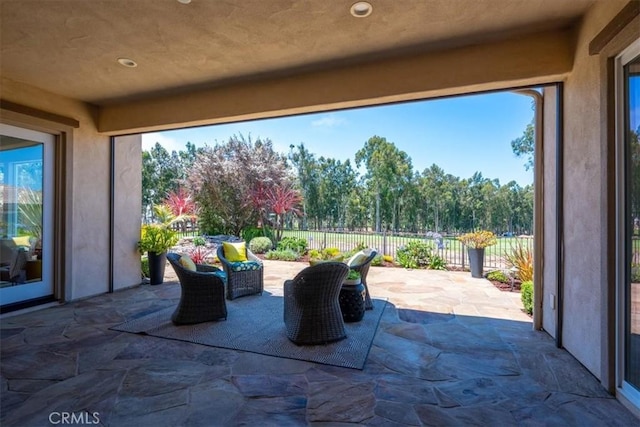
450, 350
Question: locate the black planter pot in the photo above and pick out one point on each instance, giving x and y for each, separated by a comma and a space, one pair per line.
476, 261
157, 263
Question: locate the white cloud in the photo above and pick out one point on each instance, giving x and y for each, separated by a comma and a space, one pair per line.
169, 144
329, 121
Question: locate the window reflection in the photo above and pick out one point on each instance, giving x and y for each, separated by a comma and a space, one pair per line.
21, 221
632, 315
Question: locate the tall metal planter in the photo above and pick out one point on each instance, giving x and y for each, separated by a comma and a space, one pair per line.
157, 263
476, 261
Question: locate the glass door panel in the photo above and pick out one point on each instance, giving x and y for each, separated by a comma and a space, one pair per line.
26, 187
632, 235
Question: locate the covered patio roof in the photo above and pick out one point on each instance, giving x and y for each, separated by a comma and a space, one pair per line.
207, 62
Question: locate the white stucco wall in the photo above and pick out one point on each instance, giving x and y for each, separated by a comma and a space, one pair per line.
584, 198
128, 205
90, 213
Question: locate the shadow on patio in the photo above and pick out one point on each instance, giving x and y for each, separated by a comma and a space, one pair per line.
449, 350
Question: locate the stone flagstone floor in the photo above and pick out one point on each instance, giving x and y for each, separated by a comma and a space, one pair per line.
450, 351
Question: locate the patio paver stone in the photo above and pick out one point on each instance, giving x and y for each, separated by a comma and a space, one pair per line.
450, 350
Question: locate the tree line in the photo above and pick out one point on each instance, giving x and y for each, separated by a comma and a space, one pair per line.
391, 196
244, 183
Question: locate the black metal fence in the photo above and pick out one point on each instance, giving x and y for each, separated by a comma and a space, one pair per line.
387, 243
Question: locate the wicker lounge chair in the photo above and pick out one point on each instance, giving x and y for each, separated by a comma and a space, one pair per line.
362, 267
312, 312
202, 297
240, 281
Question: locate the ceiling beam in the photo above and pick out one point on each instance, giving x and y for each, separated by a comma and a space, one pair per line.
533, 59
617, 24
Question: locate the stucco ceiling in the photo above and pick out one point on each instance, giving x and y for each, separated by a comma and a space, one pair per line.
71, 47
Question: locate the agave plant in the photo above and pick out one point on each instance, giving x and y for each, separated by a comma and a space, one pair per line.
30, 208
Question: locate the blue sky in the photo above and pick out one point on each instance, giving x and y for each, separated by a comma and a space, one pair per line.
462, 135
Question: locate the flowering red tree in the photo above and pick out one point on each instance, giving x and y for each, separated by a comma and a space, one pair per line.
229, 181
259, 200
282, 200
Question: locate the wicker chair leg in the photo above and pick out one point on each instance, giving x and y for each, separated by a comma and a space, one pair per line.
368, 303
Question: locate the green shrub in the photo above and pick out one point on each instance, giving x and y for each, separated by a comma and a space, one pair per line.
144, 264
414, 254
330, 253
360, 246
249, 233
380, 259
210, 222
437, 263
297, 244
526, 294
282, 255
199, 241
499, 276
353, 275
377, 260
260, 245
326, 254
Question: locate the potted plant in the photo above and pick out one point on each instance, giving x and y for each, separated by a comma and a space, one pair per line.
475, 243
353, 278
156, 240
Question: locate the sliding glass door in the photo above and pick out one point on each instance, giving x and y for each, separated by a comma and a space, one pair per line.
628, 222
26, 215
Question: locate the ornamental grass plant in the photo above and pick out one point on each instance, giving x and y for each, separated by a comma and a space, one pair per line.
521, 258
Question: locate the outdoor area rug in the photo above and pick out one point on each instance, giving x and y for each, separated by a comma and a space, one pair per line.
255, 324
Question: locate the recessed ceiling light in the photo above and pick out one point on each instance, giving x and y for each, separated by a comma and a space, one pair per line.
127, 62
184, 1
361, 9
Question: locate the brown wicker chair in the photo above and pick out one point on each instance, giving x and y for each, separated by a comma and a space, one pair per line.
363, 269
202, 297
241, 283
312, 312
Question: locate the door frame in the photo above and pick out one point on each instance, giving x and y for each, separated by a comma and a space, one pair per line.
63, 130
44, 288
623, 389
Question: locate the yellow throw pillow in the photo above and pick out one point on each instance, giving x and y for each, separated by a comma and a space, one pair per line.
22, 241
187, 263
235, 252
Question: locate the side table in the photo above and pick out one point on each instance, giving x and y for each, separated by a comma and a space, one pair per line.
352, 302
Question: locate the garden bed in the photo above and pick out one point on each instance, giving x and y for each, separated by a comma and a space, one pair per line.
506, 287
